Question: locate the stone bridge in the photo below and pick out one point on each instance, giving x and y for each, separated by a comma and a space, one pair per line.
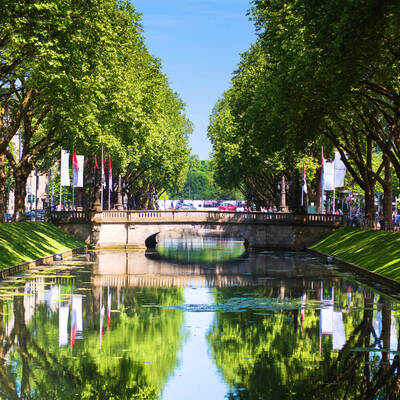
139, 229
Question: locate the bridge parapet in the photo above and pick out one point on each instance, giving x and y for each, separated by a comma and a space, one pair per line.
215, 217
68, 217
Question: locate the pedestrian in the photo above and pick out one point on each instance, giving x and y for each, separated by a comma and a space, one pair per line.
397, 223
381, 221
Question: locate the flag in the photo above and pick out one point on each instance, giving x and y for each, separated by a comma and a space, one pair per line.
81, 166
340, 170
95, 164
75, 170
103, 176
304, 186
65, 179
329, 175
110, 184
304, 179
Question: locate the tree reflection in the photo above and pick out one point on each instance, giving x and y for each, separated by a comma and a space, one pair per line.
358, 373
138, 354
283, 354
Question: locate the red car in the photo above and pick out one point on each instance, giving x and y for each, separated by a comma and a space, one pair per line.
227, 207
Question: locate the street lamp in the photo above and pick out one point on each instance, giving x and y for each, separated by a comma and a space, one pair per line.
283, 187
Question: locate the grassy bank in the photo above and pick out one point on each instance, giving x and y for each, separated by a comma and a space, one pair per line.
376, 251
26, 241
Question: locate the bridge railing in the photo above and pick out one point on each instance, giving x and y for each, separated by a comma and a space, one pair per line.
62, 217
115, 216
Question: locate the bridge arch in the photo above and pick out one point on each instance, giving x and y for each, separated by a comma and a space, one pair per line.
226, 231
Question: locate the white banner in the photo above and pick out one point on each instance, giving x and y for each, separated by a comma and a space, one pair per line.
65, 178
78, 173
340, 170
328, 175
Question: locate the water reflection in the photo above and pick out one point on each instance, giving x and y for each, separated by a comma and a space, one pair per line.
196, 370
292, 353
123, 325
195, 247
100, 344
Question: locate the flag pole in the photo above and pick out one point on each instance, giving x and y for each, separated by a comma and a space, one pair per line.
102, 176
109, 182
109, 195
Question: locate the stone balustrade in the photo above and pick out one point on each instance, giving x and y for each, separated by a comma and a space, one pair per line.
215, 217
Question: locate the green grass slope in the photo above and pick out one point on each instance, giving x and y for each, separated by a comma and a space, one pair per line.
26, 241
377, 251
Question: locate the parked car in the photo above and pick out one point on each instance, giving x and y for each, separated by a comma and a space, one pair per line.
227, 207
185, 207
211, 203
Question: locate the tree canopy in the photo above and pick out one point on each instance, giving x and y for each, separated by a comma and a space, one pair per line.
78, 76
320, 73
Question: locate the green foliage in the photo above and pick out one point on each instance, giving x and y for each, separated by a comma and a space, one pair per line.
320, 73
200, 183
78, 75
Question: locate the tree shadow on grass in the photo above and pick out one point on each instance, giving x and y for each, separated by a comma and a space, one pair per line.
25, 241
378, 251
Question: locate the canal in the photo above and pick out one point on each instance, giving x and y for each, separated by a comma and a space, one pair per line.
197, 318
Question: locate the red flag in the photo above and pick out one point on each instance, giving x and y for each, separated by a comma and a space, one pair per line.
75, 161
95, 164
75, 171
103, 177
109, 173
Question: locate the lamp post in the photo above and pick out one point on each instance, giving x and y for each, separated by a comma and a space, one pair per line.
119, 205
283, 187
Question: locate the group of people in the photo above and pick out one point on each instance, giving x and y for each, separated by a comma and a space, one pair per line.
269, 209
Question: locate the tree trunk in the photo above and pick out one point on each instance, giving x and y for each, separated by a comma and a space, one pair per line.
20, 194
388, 195
2, 186
370, 209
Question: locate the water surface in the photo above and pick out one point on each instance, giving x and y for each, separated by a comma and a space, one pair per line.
197, 319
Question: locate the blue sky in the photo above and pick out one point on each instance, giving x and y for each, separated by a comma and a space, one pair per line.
199, 43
